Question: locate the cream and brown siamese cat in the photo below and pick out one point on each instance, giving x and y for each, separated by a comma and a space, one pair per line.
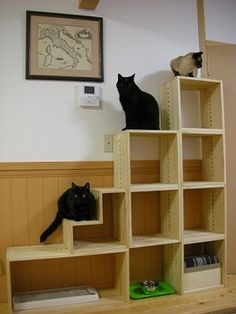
187, 65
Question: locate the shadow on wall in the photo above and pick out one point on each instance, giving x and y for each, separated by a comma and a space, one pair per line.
151, 83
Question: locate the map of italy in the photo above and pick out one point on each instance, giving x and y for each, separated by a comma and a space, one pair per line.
64, 47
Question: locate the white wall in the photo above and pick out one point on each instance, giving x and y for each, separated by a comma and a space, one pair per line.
220, 20
39, 120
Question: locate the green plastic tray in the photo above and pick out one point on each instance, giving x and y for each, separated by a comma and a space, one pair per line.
136, 291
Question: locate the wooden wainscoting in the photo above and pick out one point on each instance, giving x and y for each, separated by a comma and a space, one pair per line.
29, 194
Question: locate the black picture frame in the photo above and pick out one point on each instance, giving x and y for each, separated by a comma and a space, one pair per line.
64, 47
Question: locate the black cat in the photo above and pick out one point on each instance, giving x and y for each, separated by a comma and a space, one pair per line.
77, 203
141, 109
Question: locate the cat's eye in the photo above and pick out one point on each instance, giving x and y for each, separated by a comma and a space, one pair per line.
83, 195
75, 195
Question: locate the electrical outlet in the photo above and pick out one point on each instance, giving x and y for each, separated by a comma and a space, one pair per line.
108, 143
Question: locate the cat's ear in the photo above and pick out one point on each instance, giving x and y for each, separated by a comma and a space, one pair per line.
132, 76
87, 185
120, 76
197, 54
73, 185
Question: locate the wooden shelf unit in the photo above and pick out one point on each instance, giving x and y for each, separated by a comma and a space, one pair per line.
205, 277
106, 233
194, 108
161, 262
154, 204
147, 223
192, 103
97, 251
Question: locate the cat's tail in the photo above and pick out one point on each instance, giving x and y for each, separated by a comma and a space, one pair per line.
54, 225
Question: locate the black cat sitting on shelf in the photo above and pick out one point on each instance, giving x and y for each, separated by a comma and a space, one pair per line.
77, 203
141, 109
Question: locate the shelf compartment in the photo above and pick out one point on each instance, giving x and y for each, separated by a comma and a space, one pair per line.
110, 281
210, 150
208, 276
204, 278
157, 263
134, 149
155, 218
110, 235
204, 214
191, 103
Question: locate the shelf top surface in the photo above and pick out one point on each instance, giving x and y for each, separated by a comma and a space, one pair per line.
193, 82
147, 132
202, 184
148, 187
35, 252
201, 131
108, 190
52, 251
73, 223
92, 248
151, 240
198, 236
196, 83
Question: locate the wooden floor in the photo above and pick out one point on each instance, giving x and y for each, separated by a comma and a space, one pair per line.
200, 303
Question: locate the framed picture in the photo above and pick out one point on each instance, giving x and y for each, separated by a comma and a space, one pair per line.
64, 47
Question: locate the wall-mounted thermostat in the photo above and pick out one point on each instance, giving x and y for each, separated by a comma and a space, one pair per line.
88, 95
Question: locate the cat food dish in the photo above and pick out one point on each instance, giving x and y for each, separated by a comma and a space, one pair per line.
138, 290
148, 286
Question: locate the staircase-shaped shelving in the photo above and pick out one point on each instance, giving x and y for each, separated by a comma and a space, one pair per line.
150, 221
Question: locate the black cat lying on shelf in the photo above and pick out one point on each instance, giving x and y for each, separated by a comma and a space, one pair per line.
187, 65
77, 203
141, 109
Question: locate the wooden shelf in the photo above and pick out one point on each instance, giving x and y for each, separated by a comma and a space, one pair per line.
197, 83
200, 236
148, 133
153, 187
36, 252
204, 96
51, 251
93, 248
152, 240
201, 132
202, 185
156, 218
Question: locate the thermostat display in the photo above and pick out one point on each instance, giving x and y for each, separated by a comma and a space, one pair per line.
89, 95
89, 89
